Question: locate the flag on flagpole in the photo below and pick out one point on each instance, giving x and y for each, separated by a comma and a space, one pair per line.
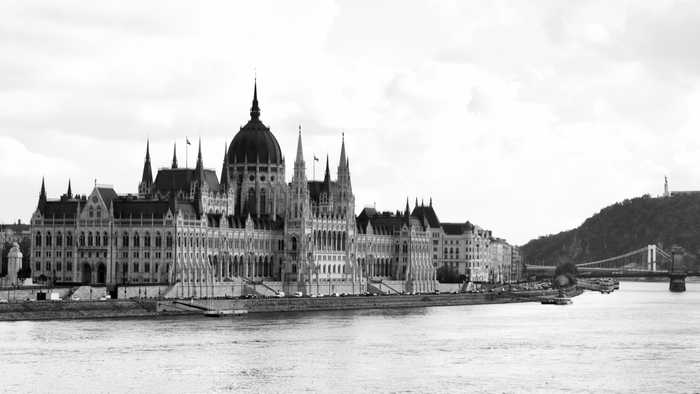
188, 141
315, 158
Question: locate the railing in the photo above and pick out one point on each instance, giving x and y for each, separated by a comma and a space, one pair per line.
387, 286
258, 282
609, 259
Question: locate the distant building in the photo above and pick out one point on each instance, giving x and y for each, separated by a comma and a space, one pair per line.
500, 260
464, 247
14, 232
668, 193
516, 269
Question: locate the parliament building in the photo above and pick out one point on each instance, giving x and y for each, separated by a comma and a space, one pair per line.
196, 233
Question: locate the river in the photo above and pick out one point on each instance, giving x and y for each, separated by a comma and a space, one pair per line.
640, 339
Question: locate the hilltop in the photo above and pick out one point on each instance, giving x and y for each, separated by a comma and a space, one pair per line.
622, 227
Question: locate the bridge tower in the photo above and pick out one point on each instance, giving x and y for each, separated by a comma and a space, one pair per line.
677, 271
651, 257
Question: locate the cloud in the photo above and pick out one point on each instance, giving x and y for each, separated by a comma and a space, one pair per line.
524, 118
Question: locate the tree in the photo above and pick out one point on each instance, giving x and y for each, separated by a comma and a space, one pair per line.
565, 275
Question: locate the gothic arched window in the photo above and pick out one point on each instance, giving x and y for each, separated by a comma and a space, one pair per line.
251, 199
263, 201
37, 239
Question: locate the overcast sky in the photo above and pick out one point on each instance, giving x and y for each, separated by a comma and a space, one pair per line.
522, 117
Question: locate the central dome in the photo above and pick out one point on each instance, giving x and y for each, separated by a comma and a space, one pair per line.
254, 141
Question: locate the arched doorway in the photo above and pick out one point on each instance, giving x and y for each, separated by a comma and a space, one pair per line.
101, 273
86, 273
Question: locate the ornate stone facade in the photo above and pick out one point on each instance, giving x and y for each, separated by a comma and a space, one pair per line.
190, 227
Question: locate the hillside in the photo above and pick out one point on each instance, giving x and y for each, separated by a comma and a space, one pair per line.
623, 227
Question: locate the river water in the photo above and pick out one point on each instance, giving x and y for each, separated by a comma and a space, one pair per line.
640, 339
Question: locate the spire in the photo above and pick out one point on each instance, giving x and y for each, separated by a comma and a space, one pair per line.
431, 202
42, 194
199, 153
299, 177
416, 203
69, 193
327, 176
199, 169
147, 176
174, 155
343, 160
255, 109
224, 170
300, 151
407, 211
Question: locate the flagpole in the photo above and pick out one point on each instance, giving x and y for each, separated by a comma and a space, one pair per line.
314, 172
187, 142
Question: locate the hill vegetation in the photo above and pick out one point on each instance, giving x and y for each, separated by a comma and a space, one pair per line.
623, 227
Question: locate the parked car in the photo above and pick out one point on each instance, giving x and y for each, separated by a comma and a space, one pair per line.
3, 301
335, 295
280, 294
298, 294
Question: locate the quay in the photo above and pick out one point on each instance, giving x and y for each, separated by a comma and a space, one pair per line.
152, 308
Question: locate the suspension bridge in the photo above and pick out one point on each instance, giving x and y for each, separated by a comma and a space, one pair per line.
649, 261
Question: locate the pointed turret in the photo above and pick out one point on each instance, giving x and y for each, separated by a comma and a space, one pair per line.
299, 164
147, 175
343, 159
344, 182
300, 150
327, 176
407, 211
431, 202
69, 192
199, 168
255, 109
174, 165
224, 171
42, 195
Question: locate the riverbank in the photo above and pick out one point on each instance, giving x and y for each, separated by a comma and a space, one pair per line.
151, 308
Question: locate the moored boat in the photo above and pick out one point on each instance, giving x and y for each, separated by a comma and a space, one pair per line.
225, 312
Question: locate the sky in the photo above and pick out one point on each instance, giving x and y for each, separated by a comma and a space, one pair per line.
524, 118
